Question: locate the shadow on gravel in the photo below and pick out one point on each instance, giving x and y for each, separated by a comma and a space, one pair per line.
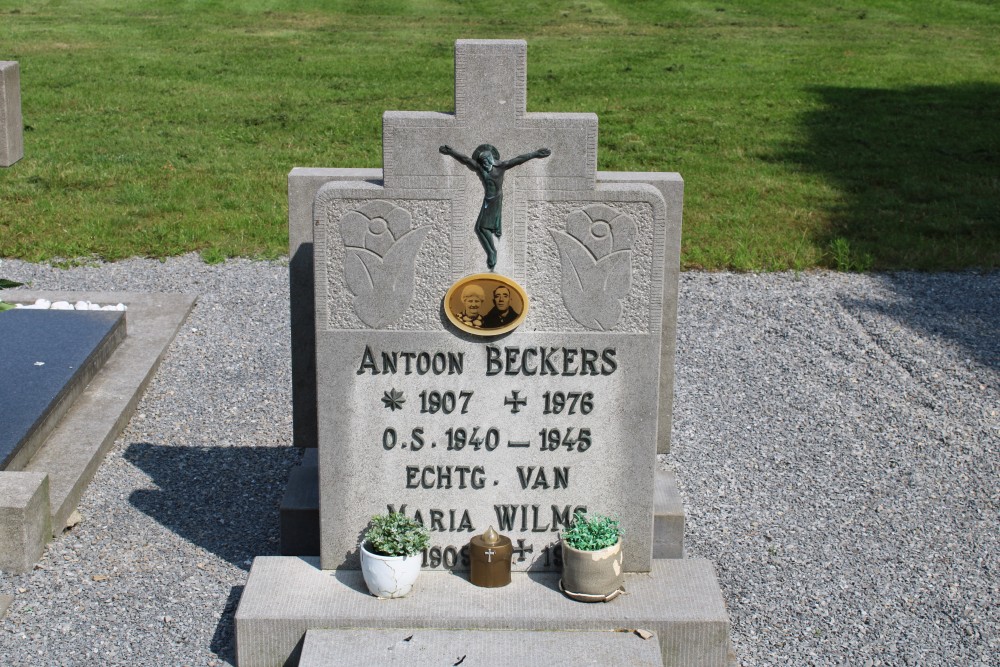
958, 307
917, 171
224, 639
223, 499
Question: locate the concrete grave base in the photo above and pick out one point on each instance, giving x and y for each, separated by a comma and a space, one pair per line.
679, 600
25, 522
418, 647
300, 512
668, 516
299, 508
70, 455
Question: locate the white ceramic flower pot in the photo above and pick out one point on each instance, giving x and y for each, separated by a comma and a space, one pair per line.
389, 576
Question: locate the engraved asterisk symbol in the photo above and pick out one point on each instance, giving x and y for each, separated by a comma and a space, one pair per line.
393, 400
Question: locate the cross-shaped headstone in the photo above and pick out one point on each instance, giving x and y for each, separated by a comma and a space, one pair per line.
589, 256
490, 108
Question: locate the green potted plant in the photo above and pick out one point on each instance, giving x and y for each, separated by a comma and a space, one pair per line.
592, 558
4, 283
391, 554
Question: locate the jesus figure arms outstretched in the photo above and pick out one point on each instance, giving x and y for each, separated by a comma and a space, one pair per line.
485, 162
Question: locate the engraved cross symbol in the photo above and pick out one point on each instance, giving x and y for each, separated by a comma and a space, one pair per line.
491, 90
521, 549
515, 402
489, 555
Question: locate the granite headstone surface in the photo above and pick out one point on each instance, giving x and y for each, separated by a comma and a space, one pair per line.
46, 354
464, 431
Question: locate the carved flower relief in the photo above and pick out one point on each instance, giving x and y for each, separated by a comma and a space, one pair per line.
380, 251
595, 253
602, 229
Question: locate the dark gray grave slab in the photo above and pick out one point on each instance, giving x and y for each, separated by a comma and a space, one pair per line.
49, 356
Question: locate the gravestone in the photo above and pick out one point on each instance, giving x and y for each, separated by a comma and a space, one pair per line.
11, 130
515, 432
556, 411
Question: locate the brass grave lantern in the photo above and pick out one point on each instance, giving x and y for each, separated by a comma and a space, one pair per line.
491, 555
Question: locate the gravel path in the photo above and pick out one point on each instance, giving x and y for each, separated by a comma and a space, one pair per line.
836, 439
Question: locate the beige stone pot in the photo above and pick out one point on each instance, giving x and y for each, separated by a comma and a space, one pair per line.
592, 576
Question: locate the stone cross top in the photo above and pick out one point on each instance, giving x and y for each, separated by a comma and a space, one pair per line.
490, 107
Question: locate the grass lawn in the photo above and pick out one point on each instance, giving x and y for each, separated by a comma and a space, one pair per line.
809, 133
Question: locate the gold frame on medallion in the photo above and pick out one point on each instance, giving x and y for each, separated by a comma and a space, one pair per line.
486, 283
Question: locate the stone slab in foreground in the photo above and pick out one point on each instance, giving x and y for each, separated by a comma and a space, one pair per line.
418, 648
679, 600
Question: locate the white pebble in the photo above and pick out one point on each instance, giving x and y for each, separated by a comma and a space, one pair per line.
40, 304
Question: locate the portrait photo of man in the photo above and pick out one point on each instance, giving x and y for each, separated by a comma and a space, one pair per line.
503, 312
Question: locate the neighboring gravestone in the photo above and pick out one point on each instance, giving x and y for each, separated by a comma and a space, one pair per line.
462, 431
11, 132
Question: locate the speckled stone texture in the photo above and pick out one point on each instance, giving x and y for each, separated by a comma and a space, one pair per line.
300, 512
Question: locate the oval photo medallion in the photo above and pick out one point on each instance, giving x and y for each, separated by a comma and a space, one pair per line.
486, 304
